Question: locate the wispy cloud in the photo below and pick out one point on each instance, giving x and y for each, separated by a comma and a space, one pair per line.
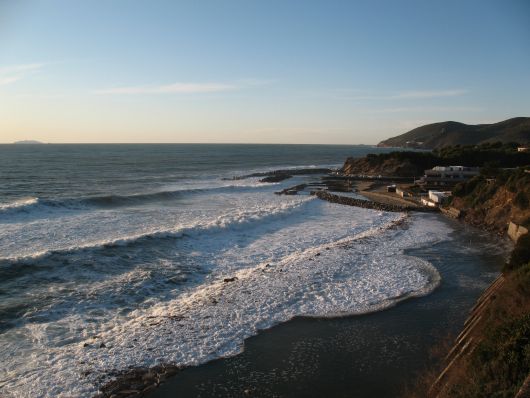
14, 73
358, 95
423, 109
174, 88
429, 94
183, 88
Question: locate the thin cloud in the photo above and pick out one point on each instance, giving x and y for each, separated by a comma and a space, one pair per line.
430, 94
184, 87
401, 95
175, 88
425, 109
14, 73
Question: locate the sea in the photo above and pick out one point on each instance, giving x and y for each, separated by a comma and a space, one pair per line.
119, 257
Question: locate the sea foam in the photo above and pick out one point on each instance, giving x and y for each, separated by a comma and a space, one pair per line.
342, 261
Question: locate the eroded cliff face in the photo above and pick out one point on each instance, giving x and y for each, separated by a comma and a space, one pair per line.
495, 213
389, 167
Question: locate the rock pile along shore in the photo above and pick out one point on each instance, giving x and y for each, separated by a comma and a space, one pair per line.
366, 204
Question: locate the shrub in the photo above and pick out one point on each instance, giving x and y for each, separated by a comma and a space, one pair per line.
520, 254
521, 201
502, 359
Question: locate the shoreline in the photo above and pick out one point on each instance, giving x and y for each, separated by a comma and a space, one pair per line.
151, 382
148, 382
288, 335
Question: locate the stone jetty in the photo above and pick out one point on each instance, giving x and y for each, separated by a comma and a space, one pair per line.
367, 204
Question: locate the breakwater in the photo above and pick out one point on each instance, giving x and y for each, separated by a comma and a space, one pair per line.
367, 204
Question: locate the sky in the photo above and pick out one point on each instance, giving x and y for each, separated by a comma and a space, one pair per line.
249, 71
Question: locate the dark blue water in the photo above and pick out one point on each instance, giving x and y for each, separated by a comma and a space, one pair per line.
51, 171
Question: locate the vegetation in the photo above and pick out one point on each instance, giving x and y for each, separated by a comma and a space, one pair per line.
438, 135
498, 360
520, 254
480, 189
501, 361
490, 155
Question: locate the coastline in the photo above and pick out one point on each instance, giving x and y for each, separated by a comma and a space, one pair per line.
166, 381
345, 356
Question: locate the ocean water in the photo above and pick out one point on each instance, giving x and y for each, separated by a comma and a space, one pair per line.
114, 257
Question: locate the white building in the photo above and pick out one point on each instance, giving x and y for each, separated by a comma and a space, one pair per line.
436, 198
439, 197
447, 175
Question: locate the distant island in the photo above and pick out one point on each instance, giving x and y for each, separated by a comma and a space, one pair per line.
28, 142
443, 134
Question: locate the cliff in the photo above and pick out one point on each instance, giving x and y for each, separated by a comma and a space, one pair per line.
491, 355
491, 203
413, 163
389, 167
438, 135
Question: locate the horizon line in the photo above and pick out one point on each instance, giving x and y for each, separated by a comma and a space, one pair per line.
22, 143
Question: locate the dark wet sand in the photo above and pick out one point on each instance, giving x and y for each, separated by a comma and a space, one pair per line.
372, 355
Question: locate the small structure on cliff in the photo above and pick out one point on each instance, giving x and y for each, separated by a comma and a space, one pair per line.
436, 198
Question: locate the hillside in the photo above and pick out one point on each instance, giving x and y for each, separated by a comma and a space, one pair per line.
413, 163
491, 201
438, 135
491, 356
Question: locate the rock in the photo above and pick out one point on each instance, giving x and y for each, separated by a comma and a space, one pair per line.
86, 345
276, 177
129, 392
318, 254
102, 345
149, 389
149, 376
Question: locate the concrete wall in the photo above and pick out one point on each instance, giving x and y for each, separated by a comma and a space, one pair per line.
516, 231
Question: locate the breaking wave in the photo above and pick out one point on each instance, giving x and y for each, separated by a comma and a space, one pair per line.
33, 206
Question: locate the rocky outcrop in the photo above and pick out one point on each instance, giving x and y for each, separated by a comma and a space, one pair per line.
280, 175
367, 204
276, 177
389, 167
493, 214
137, 382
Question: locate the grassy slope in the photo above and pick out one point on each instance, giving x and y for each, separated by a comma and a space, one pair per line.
438, 135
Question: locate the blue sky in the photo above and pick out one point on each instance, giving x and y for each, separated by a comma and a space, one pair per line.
296, 71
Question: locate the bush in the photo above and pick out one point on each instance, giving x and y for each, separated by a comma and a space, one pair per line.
520, 200
502, 359
520, 254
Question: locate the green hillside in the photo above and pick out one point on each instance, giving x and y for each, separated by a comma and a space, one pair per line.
438, 135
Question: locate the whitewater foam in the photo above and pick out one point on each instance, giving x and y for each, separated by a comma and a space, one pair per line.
334, 273
28, 208
236, 219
